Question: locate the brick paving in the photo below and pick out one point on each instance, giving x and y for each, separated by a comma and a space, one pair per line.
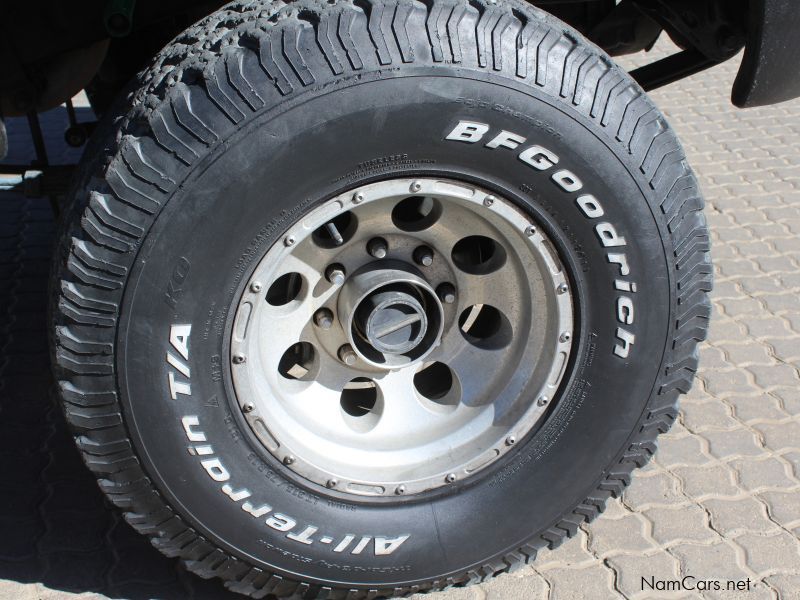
720, 501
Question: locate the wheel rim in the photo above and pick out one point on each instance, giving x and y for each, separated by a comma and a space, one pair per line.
401, 337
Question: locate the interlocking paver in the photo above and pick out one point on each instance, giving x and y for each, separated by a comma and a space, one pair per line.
637, 574
672, 525
769, 473
721, 500
714, 479
735, 515
784, 507
777, 553
620, 536
595, 581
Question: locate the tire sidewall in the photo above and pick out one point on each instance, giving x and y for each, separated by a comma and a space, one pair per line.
235, 203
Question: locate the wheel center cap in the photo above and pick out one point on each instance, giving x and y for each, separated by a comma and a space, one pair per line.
391, 314
393, 322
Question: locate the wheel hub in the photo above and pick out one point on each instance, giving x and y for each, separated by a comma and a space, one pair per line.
391, 314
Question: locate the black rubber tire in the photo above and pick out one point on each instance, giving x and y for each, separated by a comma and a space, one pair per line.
298, 102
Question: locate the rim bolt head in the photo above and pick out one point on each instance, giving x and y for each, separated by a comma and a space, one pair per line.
530, 231
248, 407
256, 287
511, 440
451, 477
400, 490
565, 337
562, 288
289, 240
489, 200
238, 358
335, 274
415, 186
288, 460
377, 247
358, 198
347, 355
331, 483
446, 293
423, 256
542, 400
323, 318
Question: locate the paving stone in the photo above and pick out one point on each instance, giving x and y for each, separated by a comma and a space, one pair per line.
768, 473
775, 375
573, 552
793, 458
708, 415
686, 450
749, 353
637, 575
752, 408
712, 357
787, 350
524, 585
734, 515
784, 507
716, 479
770, 327
673, 525
463, 593
777, 553
784, 302
619, 535
787, 586
729, 444
713, 561
789, 398
780, 436
726, 383
595, 582
660, 489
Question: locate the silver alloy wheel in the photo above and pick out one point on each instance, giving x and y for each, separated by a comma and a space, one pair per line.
401, 336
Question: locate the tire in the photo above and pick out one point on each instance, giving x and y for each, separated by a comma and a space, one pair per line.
247, 122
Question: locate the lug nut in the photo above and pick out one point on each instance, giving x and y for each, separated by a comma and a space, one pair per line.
542, 400
238, 359
562, 288
255, 287
565, 337
288, 460
530, 230
335, 274
248, 407
489, 200
378, 247
400, 490
323, 318
423, 256
415, 186
511, 440
347, 355
358, 198
289, 240
451, 477
446, 293
331, 483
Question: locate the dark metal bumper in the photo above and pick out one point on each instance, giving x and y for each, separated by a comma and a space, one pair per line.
770, 70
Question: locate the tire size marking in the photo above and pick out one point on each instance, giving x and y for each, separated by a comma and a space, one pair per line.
543, 160
179, 384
